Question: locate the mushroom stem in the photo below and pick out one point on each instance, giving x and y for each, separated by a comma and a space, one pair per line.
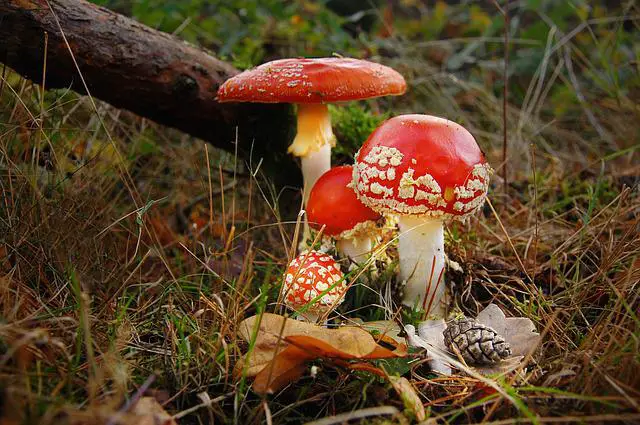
422, 260
356, 248
313, 143
314, 165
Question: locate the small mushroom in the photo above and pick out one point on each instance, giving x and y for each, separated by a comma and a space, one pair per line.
334, 204
313, 285
311, 84
425, 170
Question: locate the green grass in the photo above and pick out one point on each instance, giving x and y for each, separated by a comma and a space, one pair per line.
107, 279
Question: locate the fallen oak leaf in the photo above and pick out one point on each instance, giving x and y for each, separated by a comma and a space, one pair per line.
346, 343
279, 354
519, 332
430, 337
290, 364
345, 346
272, 330
259, 357
286, 367
384, 353
269, 330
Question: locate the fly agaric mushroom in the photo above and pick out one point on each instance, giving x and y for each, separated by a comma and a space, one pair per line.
311, 84
423, 169
312, 275
333, 204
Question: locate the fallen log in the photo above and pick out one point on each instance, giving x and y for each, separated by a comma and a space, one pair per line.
148, 72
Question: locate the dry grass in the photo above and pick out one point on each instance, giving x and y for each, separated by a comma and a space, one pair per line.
129, 252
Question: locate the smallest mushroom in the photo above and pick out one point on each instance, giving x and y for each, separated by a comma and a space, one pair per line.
313, 285
334, 204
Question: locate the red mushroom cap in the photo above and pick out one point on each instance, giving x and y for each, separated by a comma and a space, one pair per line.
310, 274
421, 165
320, 80
334, 204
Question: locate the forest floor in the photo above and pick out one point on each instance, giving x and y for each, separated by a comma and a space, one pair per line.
129, 252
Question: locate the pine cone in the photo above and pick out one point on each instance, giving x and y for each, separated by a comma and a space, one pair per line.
477, 343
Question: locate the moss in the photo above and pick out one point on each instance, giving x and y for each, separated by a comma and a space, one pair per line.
352, 124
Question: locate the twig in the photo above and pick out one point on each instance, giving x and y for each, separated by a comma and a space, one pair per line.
267, 412
199, 406
356, 414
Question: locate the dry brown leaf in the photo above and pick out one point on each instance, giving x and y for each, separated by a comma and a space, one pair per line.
346, 345
147, 411
384, 353
259, 357
286, 367
283, 346
290, 363
409, 396
273, 329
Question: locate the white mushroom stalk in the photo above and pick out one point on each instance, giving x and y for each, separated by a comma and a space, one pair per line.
358, 249
313, 143
358, 242
422, 261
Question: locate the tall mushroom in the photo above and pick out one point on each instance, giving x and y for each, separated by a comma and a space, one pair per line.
424, 169
311, 84
313, 285
333, 204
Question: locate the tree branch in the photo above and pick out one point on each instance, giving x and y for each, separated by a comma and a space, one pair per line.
150, 73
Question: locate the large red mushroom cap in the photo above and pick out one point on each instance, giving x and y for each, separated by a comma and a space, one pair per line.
308, 276
333, 204
319, 80
421, 165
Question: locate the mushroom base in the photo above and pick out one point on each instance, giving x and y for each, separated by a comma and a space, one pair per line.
356, 248
422, 261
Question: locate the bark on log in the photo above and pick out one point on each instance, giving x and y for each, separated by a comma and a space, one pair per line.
150, 73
